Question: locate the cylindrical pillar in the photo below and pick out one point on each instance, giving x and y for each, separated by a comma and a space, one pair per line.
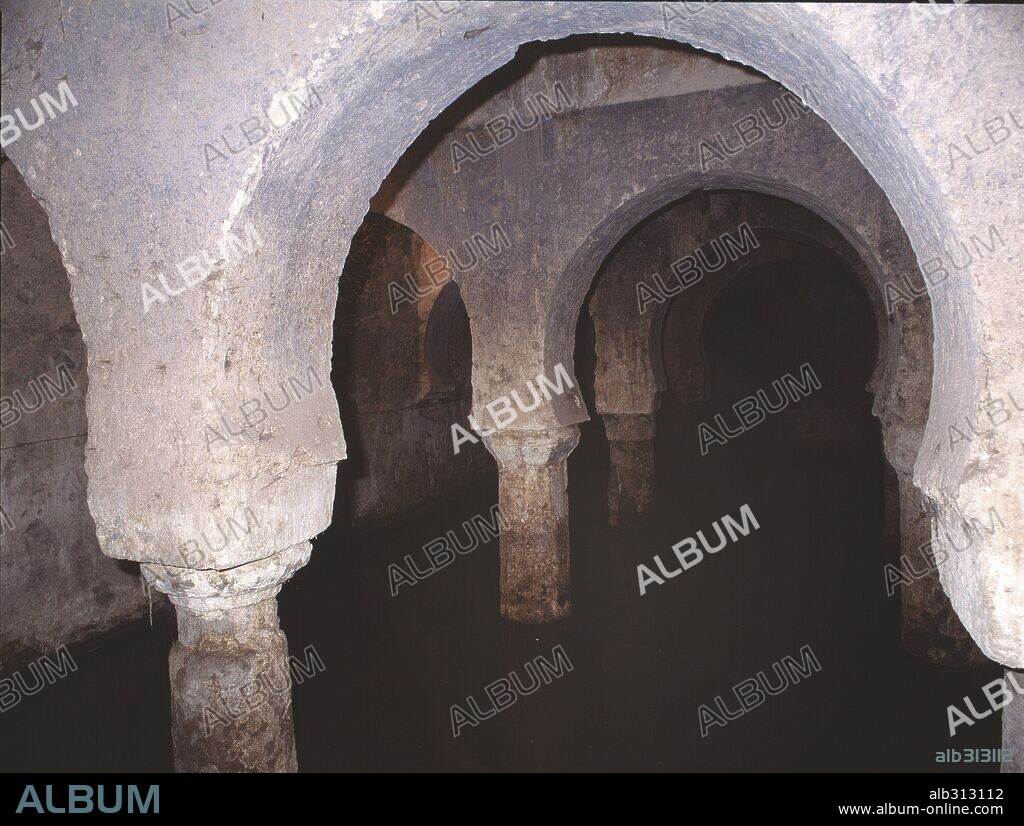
534, 502
231, 706
1013, 726
631, 471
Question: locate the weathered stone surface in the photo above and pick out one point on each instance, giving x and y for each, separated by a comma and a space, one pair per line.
631, 475
630, 370
130, 193
1013, 728
403, 360
230, 679
55, 584
534, 505
231, 705
931, 629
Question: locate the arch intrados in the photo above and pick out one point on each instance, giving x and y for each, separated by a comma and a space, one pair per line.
844, 98
847, 260
589, 258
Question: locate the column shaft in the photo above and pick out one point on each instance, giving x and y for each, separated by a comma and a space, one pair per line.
532, 497
231, 702
1013, 727
631, 470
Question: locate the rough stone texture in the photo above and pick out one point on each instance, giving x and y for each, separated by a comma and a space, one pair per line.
630, 373
224, 673
553, 222
534, 504
943, 92
1013, 728
783, 231
231, 707
556, 222
631, 472
55, 584
616, 72
894, 88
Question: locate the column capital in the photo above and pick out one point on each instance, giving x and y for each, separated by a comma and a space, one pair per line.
211, 590
532, 447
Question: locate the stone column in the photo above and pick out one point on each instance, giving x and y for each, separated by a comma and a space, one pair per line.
631, 471
1013, 725
231, 706
534, 504
931, 629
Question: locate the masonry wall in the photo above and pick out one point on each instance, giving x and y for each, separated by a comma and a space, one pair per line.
55, 584
398, 402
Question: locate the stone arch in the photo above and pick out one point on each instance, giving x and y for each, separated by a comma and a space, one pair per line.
750, 270
306, 193
397, 311
845, 98
587, 261
842, 95
815, 251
